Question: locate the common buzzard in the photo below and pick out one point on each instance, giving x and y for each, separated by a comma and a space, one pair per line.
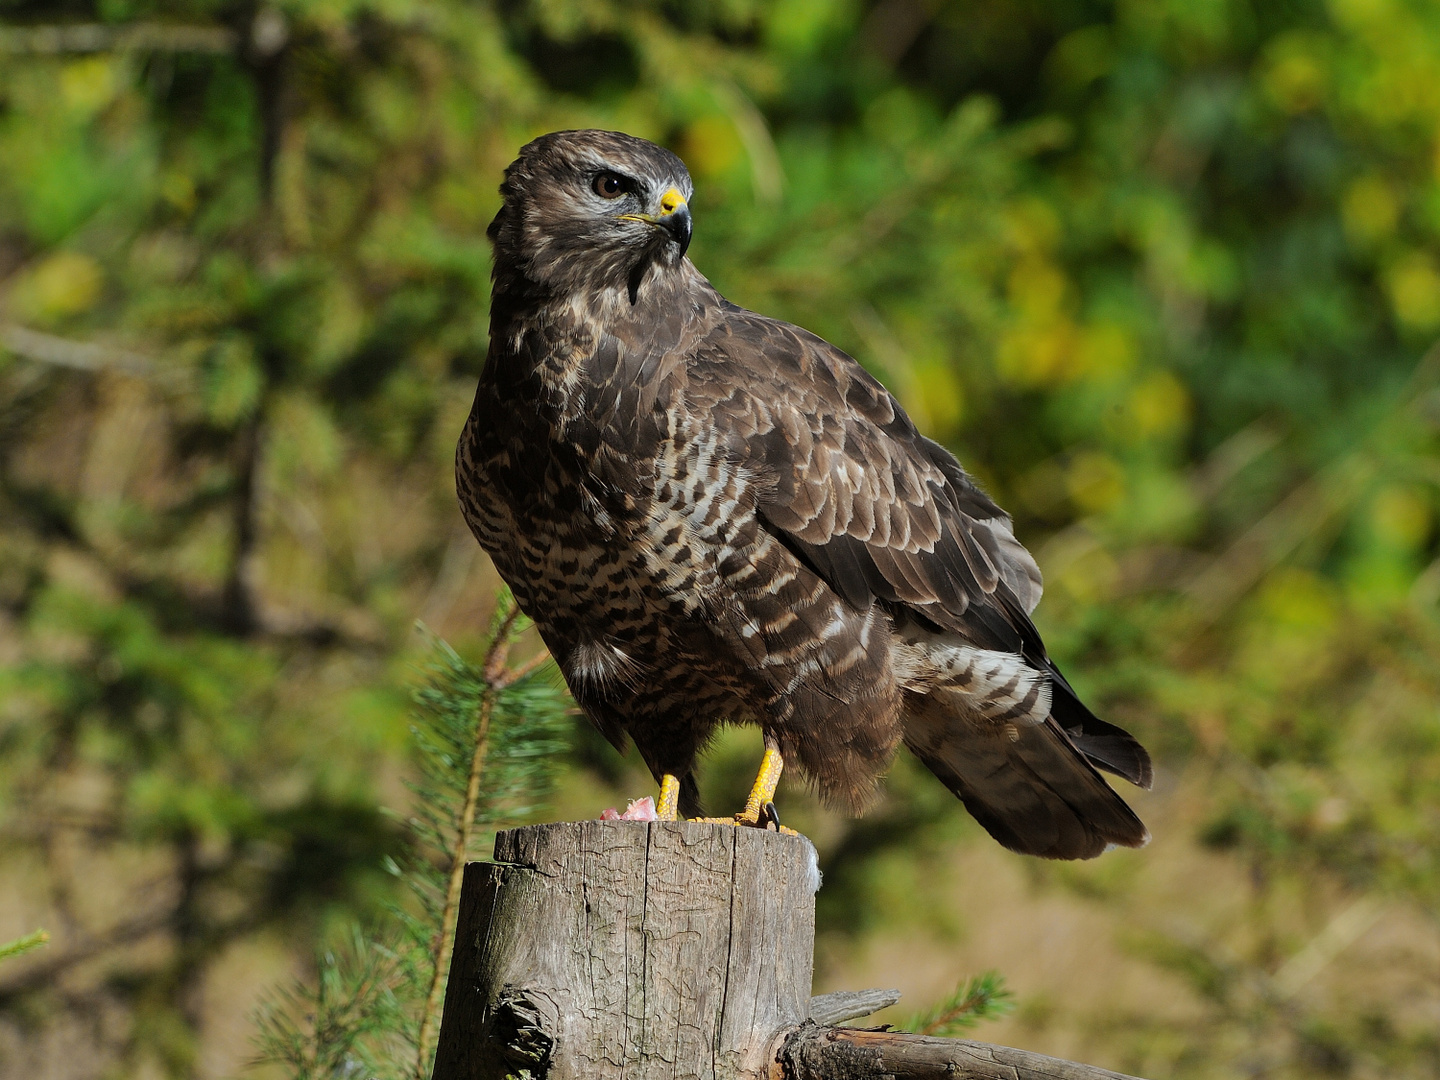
713, 516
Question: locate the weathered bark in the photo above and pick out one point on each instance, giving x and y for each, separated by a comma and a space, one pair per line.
598, 950
820, 1053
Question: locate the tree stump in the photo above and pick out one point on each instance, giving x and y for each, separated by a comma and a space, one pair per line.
648, 951
619, 950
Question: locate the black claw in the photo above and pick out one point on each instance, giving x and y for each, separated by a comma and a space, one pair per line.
769, 816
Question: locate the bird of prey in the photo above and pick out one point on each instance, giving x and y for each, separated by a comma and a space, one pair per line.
717, 517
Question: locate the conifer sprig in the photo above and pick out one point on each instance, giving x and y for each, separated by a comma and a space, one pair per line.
981, 997
23, 945
459, 831
343, 1021
486, 738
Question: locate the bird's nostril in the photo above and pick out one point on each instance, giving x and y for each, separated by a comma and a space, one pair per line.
671, 201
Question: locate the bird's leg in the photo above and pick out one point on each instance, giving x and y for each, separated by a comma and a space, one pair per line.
668, 806
759, 809
762, 794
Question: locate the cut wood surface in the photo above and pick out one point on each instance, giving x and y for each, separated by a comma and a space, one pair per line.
648, 951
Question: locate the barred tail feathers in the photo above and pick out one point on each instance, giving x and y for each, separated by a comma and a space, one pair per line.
1025, 782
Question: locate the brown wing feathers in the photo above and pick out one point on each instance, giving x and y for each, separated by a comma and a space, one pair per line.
882, 513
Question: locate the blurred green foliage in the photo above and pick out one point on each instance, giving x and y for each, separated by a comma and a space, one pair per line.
1163, 272
487, 740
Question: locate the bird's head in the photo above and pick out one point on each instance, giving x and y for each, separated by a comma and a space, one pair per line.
591, 209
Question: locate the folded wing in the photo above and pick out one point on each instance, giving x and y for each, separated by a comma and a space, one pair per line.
885, 515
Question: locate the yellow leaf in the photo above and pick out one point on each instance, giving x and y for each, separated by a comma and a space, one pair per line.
1400, 517
1104, 351
1159, 405
1415, 291
712, 146
88, 85
1037, 288
1295, 78
1036, 357
67, 283
1370, 210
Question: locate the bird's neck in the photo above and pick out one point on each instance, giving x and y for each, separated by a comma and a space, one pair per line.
534, 330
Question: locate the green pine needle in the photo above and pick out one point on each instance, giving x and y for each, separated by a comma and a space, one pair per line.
343, 1023
23, 945
981, 997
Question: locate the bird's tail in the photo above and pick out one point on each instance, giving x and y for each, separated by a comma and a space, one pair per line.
1027, 783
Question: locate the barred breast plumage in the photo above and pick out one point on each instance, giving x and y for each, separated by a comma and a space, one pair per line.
717, 517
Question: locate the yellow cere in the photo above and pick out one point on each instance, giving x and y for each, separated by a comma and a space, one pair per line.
671, 201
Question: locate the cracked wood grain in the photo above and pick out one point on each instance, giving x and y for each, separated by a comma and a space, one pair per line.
845, 1005
670, 951
629, 951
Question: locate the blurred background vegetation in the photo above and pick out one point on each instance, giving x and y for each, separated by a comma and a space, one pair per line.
1164, 273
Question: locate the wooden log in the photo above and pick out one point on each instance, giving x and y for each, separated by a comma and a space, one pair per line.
812, 1052
599, 950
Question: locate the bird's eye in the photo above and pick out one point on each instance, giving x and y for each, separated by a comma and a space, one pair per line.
609, 186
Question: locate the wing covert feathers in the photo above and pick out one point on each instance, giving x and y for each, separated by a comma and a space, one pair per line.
873, 506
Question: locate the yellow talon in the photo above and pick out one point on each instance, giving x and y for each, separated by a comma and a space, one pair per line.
667, 808
783, 830
765, 784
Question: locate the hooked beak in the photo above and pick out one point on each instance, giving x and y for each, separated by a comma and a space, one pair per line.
674, 218
677, 223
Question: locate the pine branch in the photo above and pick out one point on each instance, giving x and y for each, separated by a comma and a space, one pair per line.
494, 669
485, 737
319, 1031
524, 671
440, 941
982, 997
